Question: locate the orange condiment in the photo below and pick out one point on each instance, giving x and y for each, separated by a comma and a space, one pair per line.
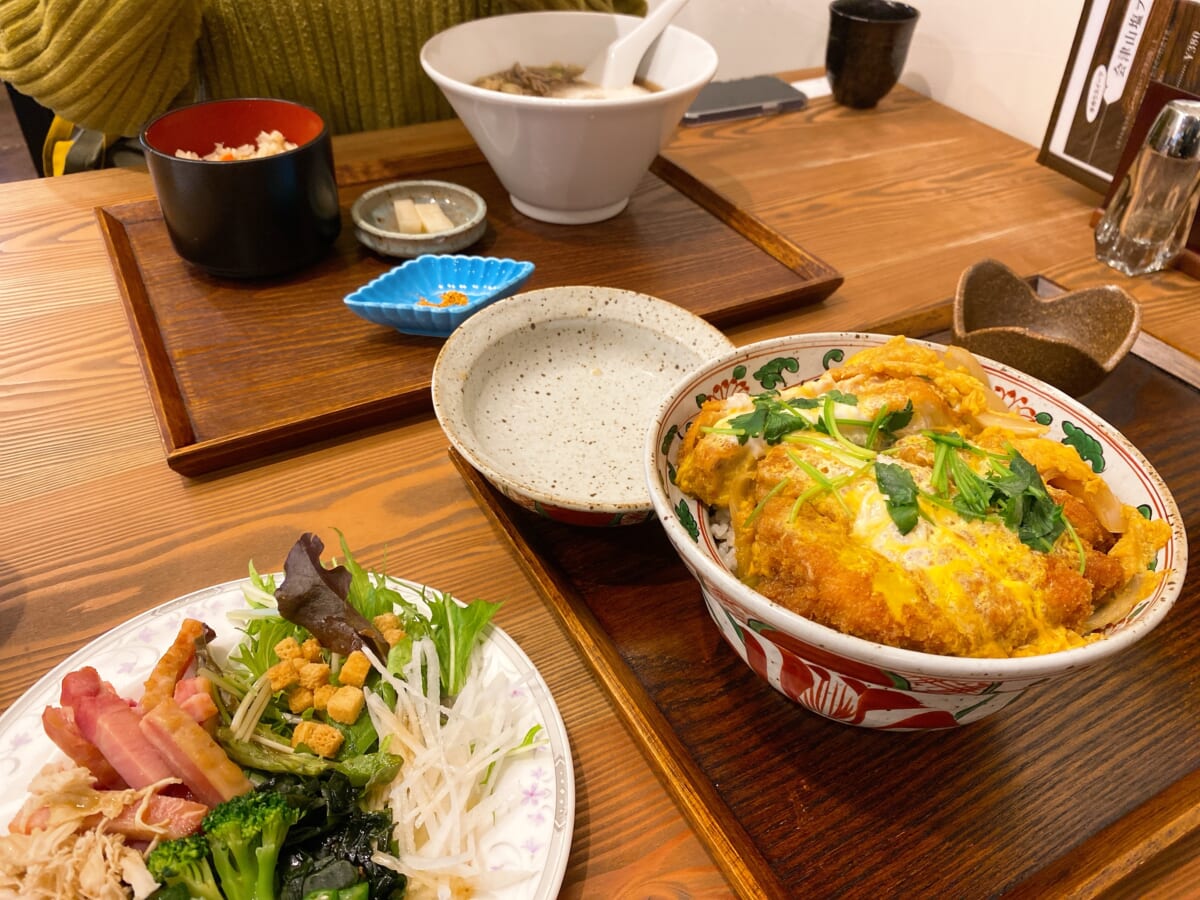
449, 298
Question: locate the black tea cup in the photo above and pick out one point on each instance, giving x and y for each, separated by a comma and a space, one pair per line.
868, 43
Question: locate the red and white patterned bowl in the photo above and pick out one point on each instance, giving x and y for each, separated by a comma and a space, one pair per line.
856, 681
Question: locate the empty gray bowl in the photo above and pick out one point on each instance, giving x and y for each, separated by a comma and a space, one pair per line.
1072, 340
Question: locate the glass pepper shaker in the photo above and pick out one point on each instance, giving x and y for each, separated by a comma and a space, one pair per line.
1150, 215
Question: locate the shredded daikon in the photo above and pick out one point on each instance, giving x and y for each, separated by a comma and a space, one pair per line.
444, 801
251, 709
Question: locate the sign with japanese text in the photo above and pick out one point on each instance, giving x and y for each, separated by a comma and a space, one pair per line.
1121, 47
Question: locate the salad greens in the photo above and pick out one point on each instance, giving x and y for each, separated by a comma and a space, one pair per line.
329, 848
454, 629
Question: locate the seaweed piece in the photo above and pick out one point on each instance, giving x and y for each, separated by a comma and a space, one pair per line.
331, 846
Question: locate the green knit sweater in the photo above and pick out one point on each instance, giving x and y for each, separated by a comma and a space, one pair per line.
111, 65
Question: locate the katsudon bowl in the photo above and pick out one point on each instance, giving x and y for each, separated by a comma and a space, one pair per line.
856, 681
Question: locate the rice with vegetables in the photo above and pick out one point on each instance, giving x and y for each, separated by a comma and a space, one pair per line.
268, 143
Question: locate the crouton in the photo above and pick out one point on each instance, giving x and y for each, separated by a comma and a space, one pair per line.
288, 648
299, 698
323, 740
345, 704
311, 650
283, 675
386, 621
393, 636
355, 669
321, 696
314, 674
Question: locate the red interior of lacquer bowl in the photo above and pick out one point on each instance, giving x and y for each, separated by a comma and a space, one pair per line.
233, 123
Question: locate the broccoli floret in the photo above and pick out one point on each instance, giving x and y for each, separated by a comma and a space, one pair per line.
245, 835
184, 861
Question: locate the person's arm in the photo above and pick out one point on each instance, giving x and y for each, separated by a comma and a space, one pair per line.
109, 65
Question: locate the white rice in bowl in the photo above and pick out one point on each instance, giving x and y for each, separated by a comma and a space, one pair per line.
721, 529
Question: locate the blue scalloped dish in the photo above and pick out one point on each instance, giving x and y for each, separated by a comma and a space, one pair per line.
418, 297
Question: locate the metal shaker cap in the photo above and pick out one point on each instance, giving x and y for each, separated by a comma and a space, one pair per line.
1176, 131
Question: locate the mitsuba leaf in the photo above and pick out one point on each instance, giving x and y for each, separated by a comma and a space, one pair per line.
1025, 504
1041, 526
887, 422
772, 418
900, 491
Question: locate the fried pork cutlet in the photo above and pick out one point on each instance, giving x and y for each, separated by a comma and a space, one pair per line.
894, 500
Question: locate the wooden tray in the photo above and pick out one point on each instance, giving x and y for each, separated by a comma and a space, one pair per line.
1061, 794
241, 369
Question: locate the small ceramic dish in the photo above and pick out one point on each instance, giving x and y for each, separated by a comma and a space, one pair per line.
548, 393
1072, 340
432, 295
375, 223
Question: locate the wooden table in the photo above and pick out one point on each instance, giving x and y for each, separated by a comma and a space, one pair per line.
98, 528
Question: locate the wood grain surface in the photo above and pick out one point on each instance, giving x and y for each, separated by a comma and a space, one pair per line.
899, 200
231, 362
99, 528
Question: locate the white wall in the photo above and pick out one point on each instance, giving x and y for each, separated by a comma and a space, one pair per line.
998, 61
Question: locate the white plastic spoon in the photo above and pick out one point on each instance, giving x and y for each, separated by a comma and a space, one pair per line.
615, 67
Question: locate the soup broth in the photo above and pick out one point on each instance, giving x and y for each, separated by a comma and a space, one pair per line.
556, 80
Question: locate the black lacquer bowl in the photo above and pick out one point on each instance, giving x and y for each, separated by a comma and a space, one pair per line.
245, 218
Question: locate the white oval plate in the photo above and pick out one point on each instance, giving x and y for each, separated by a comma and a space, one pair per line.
534, 835
548, 392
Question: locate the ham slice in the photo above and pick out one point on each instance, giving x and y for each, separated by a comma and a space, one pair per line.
60, 727
166, 817
110, 724
194, 695
197, 759
139, 818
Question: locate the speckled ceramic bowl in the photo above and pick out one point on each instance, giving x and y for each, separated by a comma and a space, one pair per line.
547, 394
1072, 340
375, 218
432, 295
856, 681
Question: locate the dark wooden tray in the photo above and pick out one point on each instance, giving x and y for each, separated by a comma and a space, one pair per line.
241, 369
1061, 794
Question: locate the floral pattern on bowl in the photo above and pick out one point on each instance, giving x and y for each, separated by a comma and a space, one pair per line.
849, 679
434, 294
